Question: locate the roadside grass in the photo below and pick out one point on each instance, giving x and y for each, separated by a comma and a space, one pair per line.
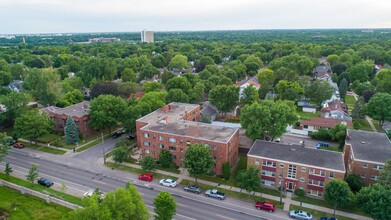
42, 148
139, 171
29, 207
62, 141
317, 214
323, 203
88, 146
239, 195
306, 115
42, 189
47, 138
331, 148
377, 126
364, 125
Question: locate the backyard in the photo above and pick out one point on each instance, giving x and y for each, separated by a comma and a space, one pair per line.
306, 115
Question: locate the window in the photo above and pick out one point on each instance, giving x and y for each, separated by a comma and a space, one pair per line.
172, 140
181, 149
207, 145
173, 157
280, 176
305, 126
180, 141
302, 180
314, 182
363, 176
292, 171
215, 147
303, 169
214, 156
256, 162
312, 171
331, 176
269, 163
268, 173
377, 167
146, 135
364, 165
373, 177
161, 146
161, 138
281, 165
188, 143
146, 143
267, 182
322, 173
172, 148
147, 151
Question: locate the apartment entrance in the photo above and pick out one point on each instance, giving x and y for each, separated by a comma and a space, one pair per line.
290, 186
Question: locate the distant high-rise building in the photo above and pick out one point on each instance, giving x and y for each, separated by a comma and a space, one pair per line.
147, 36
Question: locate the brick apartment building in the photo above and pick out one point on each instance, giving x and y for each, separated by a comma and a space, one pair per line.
366, 153
296, 167
175, 126
79, 114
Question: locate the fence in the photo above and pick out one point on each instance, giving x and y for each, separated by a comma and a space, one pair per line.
23, 190
228, 117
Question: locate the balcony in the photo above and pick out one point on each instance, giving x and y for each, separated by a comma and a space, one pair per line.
269, 168
317, 178
270, 178
313, 187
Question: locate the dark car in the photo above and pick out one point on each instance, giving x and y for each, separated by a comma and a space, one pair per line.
118, 134
45, 182
9, 142
193, 189
131, 136
18, 145
268, 206
145, 177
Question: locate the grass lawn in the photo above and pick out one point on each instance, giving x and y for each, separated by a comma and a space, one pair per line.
43, 148
239, 195
29, 207
88, 146
332, 148
47, 138
42, 189
320, 202
365, 125
350, 101
306, 115
317, 214
139, 171
62, 142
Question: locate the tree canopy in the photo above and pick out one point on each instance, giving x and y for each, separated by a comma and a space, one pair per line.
198, 159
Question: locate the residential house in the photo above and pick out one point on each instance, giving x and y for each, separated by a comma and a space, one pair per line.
176, 125
335, 109
366, 153
322, 72
209, 111
16, 85
309, 108
244, 83
79, 114
303, 101
315, 123
295, 167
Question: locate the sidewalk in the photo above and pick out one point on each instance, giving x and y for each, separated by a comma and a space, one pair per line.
288, 201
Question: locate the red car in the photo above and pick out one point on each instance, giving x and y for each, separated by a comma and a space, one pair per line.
145, 177
268, 206
18, 145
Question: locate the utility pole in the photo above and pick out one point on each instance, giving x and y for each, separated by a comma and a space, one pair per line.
281, 185
103, 149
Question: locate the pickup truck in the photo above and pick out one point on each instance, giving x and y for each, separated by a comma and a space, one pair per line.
215, 194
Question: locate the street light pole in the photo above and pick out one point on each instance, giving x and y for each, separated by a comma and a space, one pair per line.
103, 149
281, 185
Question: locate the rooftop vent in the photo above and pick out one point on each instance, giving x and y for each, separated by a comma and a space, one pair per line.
363, 142
293, 149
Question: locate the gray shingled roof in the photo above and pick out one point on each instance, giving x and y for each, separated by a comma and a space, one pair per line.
370, 146
298, 154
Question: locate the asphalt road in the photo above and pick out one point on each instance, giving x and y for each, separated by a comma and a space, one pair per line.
80, 175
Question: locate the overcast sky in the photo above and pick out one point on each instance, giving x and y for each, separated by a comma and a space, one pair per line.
53, 16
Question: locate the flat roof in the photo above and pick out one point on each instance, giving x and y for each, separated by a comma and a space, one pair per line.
169, 122
298, 154
370, 146
79, 109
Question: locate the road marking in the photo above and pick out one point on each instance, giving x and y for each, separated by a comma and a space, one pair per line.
97, 181
225, 217
11, 157
182, 205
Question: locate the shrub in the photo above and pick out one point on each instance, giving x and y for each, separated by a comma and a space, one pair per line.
299, 192
226, 170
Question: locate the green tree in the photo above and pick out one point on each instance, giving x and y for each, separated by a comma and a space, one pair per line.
148, 163
8, 169
285, 88
177, 95
179, 61
355, 182
358, 111
379, 107
33, 173
268, 119
360, 72
3, 147
338, 133
332, 59
385, 175
343, 88
73, 97
178, 83
16, 104
165, 159
98, 68
5, 78
226, 170
253, 64
63, 187
71, 83
266, 76
32, 125
120, 154
167, 75
198, 160
106, 111
152, 86
225, 98
319, 91
128, 75
165, 206
198, 91
337, 193
384, 78
250, 95
249, 179
71, 131
375, 200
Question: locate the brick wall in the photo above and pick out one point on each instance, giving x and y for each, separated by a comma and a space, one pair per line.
82, 124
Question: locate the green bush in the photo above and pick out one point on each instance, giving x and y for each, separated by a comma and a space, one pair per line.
299, 192
226, 170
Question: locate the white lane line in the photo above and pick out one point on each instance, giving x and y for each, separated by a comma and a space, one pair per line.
11, 157
98, 181
225, 217
182, 205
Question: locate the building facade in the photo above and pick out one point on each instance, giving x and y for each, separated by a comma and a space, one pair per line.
79, 114
295, 167
366, 153
147, 36
175, 126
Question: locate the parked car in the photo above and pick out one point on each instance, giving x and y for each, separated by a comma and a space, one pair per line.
90, 192
45, 182
299, 214
118, 134
215, 194
9, 142
168, 182
18, 145
146, 177
268, 206
131, 136
278, 139
193, 189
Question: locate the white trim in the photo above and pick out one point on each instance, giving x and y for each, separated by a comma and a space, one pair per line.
300, 164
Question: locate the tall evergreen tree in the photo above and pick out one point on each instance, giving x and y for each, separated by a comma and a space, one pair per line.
71, 131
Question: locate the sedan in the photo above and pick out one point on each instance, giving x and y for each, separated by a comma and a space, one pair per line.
18, 145
145, 177
193, 189
167, 182
299, 214
45, 182
118, 134
268, 206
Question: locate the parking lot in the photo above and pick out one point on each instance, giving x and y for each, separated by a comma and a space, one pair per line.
308, 142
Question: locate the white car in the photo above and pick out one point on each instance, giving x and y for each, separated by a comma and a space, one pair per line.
90, 192
299, 214
168, 182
